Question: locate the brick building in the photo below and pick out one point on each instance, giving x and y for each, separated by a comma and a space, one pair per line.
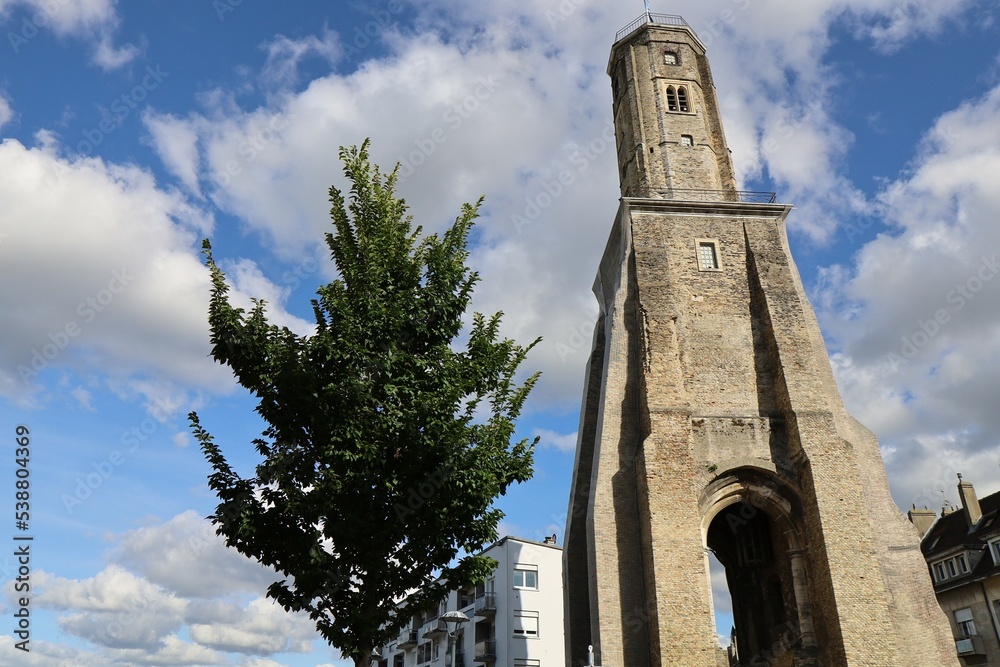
711, 420
962, 549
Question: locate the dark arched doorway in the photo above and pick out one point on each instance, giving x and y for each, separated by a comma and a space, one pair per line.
751, 531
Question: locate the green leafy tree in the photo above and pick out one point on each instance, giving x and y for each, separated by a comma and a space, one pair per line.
385, 446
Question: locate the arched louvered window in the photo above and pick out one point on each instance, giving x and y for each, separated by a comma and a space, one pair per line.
671, 99
682, 98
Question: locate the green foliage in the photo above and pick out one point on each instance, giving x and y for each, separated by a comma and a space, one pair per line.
385, 446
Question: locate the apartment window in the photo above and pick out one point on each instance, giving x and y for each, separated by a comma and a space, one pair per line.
670, 58
525, 577
525, 624
708, 255
995, 550
397, 660
687, 140
951, 567
963, 619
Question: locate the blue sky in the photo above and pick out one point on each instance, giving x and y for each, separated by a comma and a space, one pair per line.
131, 131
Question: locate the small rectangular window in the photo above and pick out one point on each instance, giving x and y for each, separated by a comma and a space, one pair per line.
525, 624
708, 258
950, 563
670, 58
939, 572
963, 566
963, 619
687, 140
525, 578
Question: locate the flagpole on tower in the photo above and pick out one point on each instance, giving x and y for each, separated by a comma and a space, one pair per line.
649, 16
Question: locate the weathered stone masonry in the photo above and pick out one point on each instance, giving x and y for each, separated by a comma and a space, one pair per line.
711, 420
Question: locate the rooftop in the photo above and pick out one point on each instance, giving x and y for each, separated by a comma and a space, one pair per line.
661, 19
951, 533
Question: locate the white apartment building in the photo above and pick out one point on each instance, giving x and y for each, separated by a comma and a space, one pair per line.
516, 616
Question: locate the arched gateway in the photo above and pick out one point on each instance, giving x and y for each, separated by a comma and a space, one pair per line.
711, 421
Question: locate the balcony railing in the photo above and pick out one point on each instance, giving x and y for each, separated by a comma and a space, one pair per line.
486, 604
486, 650
662, 19
435, 628
970, 645
739, 196
407, 638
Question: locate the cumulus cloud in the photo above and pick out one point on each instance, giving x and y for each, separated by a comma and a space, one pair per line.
129, 298
115, 608
93, 20
185, 555
167, 581
916, 317
262, 628
475, 74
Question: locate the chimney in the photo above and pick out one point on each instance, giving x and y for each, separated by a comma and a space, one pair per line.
969, 502
550, 540
922, 519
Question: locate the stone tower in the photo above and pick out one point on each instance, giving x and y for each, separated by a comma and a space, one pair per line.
711, 421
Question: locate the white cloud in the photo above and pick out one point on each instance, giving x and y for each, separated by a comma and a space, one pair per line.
114, 608
83, 397
262, 628
6, 111
129, 300
177, 146
917, 316
174, 653
92, 20
496, 102
168, 581
47, 654
185, 556
560, 441
285, 54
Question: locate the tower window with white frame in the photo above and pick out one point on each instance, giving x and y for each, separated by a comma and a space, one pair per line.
708, 254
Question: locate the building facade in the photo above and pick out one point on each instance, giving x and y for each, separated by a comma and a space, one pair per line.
516, 616
962, 550
711, 420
